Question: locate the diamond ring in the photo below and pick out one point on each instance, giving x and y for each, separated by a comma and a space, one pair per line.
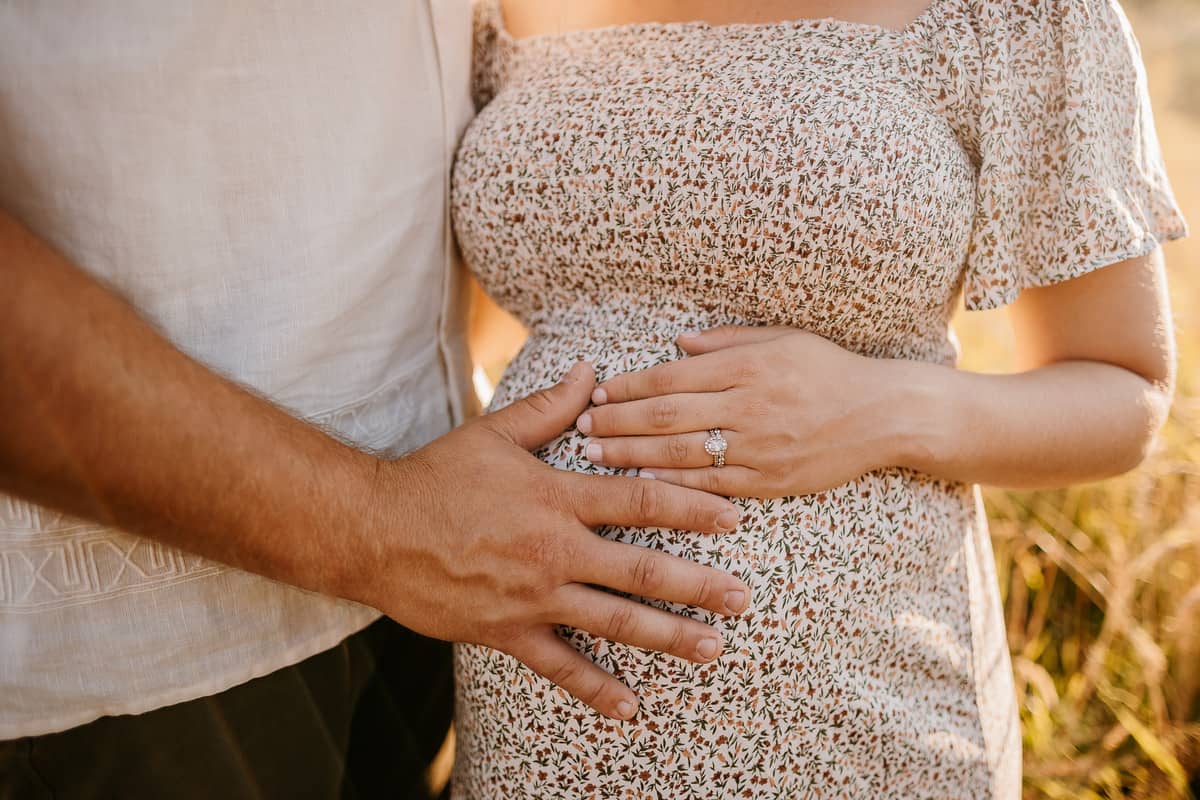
715, 445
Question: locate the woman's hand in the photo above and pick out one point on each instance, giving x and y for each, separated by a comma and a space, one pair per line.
799, 413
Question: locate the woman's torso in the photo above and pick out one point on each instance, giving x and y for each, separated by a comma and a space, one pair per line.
629, 183
791, 173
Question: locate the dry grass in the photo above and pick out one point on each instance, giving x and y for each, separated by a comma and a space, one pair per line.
1102, 582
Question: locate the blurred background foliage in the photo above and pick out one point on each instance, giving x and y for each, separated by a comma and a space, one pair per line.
1101, 582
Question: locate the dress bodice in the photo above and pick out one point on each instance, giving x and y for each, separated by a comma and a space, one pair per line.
839, 177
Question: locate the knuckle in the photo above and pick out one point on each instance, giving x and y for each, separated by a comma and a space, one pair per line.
550, 492
565, 672
661, 381
664, 413
757, 408
676, 638
748, 369
540, 402
712, 481
621, 622
647, 501
677, 450
591, 695
506, 637
772, 443
703, 590
647, 573
542, 557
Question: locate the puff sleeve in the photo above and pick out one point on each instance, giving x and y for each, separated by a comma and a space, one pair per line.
1070, 174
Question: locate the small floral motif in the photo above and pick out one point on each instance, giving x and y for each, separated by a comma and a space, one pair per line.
629, 183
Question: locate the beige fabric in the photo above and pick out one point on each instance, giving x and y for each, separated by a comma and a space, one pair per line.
628, 183
267, 183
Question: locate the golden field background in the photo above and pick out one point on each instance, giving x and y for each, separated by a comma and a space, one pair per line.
1101, 582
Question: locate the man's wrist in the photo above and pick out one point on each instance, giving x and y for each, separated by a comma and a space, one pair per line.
364, 528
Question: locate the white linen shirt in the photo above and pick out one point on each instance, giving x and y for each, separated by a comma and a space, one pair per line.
267, 183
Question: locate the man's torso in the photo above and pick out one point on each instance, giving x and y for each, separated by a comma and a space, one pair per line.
266, 184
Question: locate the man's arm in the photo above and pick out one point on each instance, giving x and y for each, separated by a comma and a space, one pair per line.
470, 538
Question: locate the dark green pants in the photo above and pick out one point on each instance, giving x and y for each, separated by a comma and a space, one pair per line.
362, 720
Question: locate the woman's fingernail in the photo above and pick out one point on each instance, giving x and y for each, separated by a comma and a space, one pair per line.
595, 453
735, 601
708, 648
584, 424
727, 519
599, 396
689, 334
625, 709
645, 473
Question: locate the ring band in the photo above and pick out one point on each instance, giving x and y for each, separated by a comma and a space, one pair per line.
715, 445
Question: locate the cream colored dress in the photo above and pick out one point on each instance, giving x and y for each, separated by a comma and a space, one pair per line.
628, 183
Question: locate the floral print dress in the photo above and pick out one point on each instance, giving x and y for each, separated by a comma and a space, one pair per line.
624, 184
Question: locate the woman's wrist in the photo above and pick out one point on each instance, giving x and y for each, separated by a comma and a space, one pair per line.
922, 415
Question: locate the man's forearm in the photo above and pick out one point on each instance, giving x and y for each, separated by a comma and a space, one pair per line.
102, 417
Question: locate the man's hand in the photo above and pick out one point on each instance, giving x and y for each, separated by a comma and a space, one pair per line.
501, 550
471, 538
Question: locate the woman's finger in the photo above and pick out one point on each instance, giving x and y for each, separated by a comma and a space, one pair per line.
707, 341
672, 413
620, 619
708, 373
731, 481
678, 451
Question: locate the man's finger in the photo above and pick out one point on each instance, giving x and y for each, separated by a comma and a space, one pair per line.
698, 342
649, 573
711, 373
620, 619
545, 652
637, 502
672, 413
537, 418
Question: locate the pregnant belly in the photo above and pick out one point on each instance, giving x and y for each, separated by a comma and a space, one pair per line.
859, 629
879, 556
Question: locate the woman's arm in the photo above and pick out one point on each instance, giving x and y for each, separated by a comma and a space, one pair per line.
1097, 367
801, 414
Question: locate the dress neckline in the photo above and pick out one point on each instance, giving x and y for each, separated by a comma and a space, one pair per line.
918, 22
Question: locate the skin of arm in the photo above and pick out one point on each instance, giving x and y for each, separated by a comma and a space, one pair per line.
469, 539
1096, 361
801, 414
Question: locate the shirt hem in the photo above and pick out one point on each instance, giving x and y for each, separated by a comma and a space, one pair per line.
293, 655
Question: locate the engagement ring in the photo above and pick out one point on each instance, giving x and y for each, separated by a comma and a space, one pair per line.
715, 445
